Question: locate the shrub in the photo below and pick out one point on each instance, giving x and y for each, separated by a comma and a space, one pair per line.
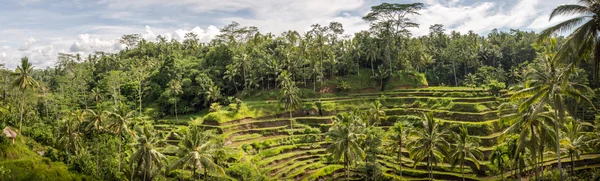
212, 117
495, 87
215, 107
343, 86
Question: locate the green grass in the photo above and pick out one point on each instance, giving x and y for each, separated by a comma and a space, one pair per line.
324, 171
24, 164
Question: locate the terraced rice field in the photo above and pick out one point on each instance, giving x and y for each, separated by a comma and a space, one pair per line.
295, 148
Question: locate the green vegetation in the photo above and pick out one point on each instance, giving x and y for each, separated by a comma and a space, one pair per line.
318, 105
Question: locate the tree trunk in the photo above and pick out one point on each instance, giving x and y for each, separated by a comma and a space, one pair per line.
429, 166
176, 116
561, 116
347, 166
572, 165
194, 175
400, 157
462, 167
596, 65
120, 143
454, 71
140, 96
534, 156
22, 112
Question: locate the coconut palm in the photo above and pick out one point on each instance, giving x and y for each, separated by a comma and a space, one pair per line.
23, 82
551, 85
530, 125
397, 137
147, 159
497, 157
583, 39
465, 148
174, 90
573, 141
121, 118
429, 142
69, 137
345, 136
198, 148
95, 125
289, 94
376, 113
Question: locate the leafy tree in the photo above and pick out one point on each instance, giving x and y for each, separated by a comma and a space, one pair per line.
121, 118
69, 137
465, 148
146, 158
23, 82
288, 94
583, 39
345, 136
574, 142
498, 158
397, 138
198, 148
376, 113
551, 85
174, 91
429, 142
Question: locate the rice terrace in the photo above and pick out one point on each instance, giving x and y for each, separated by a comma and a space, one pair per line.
300, 90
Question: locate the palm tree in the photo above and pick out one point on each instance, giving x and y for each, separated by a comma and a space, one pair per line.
212, 94
465, 148
146, 157
381, 75
175, 90
97, 120
345, 136
97, 95
121, 117
582, 40
198, 148
289, 94
397, 136
573, 141
551, 85
23, 82
376, 113
69, 137
429, 142
497, 158
372, 53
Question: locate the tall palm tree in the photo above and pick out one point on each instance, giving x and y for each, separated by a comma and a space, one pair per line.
289, 94
497, 157
345, 136
582, 40
198, 148
429, 142
551, 85
465, 148
397, 136
121, 118
69, 137
23, 82
95, 125
372, 53
147, 158
174, 90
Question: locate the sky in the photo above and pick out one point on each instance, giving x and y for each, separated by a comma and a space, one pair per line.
41, 29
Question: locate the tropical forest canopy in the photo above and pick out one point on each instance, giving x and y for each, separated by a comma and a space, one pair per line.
379, 104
